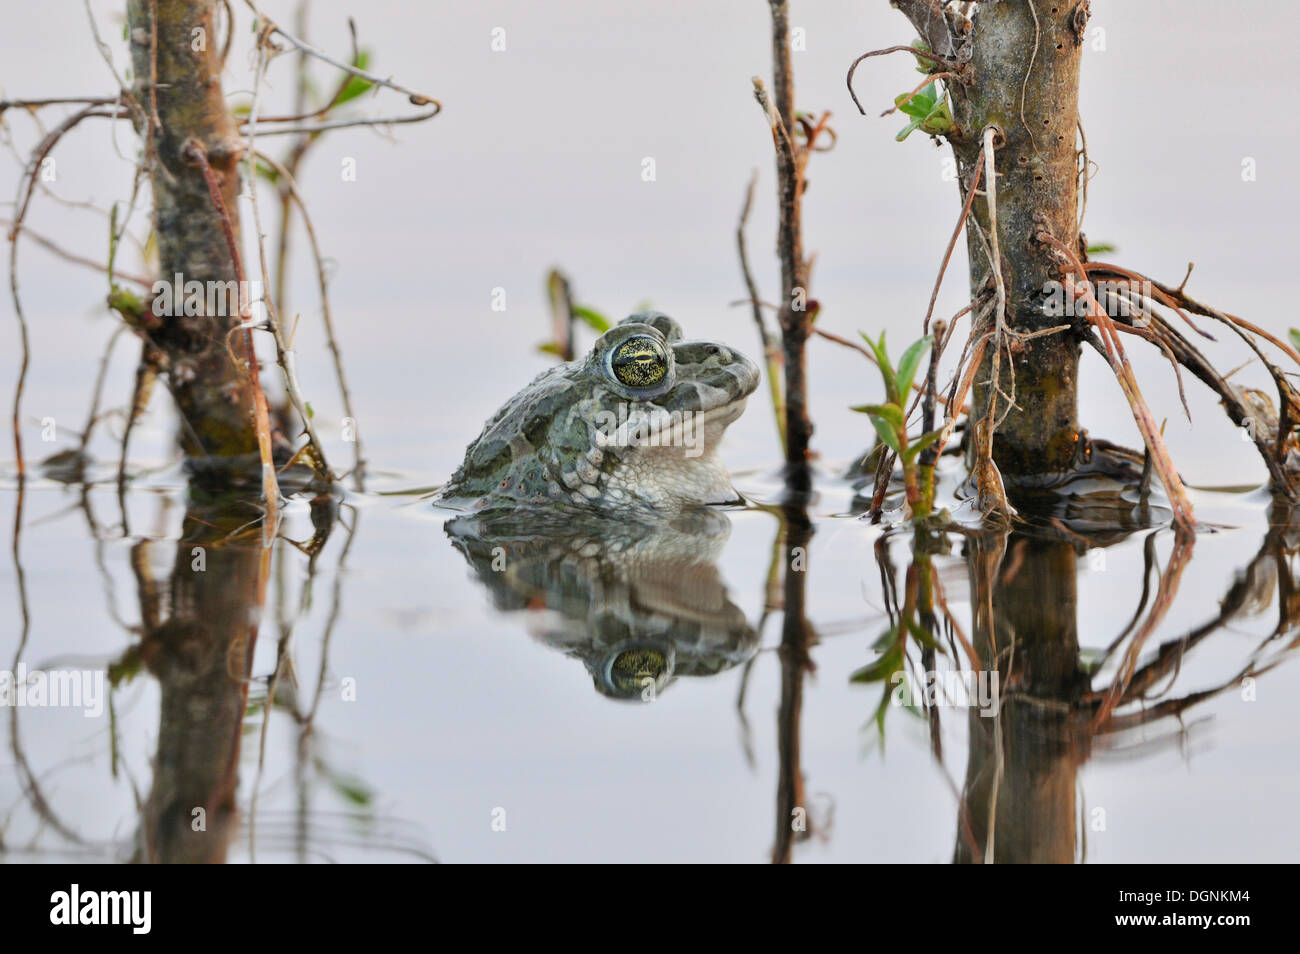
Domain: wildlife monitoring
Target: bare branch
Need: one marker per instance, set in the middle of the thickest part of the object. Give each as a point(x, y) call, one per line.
point(270, 26)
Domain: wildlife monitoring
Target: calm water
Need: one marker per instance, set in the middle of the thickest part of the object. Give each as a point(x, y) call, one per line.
point(409, 717)
point(424, 702)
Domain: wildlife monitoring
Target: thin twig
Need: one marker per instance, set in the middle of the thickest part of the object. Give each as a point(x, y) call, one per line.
point(52, 246)
point(31, 105)
point(924, 54)
point(327, 318)
point(26, 186)
point(270, 26)
point(284, 355)
point(313, 128)
point(771, 351)
point(865, 352)
point(952, 243)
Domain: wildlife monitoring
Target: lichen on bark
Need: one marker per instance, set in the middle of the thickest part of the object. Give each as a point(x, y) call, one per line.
point(1020, 76)
point(177, 84)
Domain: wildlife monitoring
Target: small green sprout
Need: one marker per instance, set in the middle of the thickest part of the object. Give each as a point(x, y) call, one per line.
point(928, 109)
point(890, 421)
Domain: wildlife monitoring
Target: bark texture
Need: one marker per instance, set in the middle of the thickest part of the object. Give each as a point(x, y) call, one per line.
point(1024, 80)
point(201, 655)
point(1018, 801)
point(177, 70)
point(793, 318)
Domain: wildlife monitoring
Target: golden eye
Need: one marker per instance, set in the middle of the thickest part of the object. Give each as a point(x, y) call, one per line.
point(632, 667)
point(639, 362)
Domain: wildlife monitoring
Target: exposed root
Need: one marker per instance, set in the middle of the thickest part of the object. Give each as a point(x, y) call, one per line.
point(1076, 284)
point(992, 493)
point(1270, 429)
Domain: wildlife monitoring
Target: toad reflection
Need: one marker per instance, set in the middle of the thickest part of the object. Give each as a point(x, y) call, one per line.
point(638, 603)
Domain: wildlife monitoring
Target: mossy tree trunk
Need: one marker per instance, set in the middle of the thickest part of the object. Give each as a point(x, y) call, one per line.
point(793, 315)
point(177, 82)
point(201, 655)
point(1018, 800)
point(1025, 63)
point(1022, 79)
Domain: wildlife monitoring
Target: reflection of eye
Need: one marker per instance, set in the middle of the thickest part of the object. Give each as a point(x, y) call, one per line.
point(632, 667)
point(639, 362)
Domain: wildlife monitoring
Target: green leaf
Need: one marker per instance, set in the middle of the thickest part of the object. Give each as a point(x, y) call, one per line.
point(932, 116)
point(1294, 334)
point(352, 789)
point(266, 172)
point(888, 421)
point(907, 130)
point(1102, 248)
point(882, 668)
point(918, 445)
point(885, 640)
point(593, 318)
point(938, 122)
point(923, 65)
point(125, 669)
point(919, 104)
point(549, 347)
point(356, 85)
point(923, 637)
point(908, 364)
point(112, 240)
point(885, 365)
point(126, 303)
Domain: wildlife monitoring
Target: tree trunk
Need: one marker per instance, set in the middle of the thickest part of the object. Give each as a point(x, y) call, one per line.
point(202, 657)
point(793, 313)
point(1018, 801)
point(179, 91)
point(1024, 63)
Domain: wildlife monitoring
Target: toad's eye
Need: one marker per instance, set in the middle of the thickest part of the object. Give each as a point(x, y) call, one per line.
point(632, 667)
point(639, 362)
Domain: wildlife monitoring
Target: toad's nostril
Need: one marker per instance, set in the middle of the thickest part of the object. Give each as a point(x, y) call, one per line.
point(714, 350)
